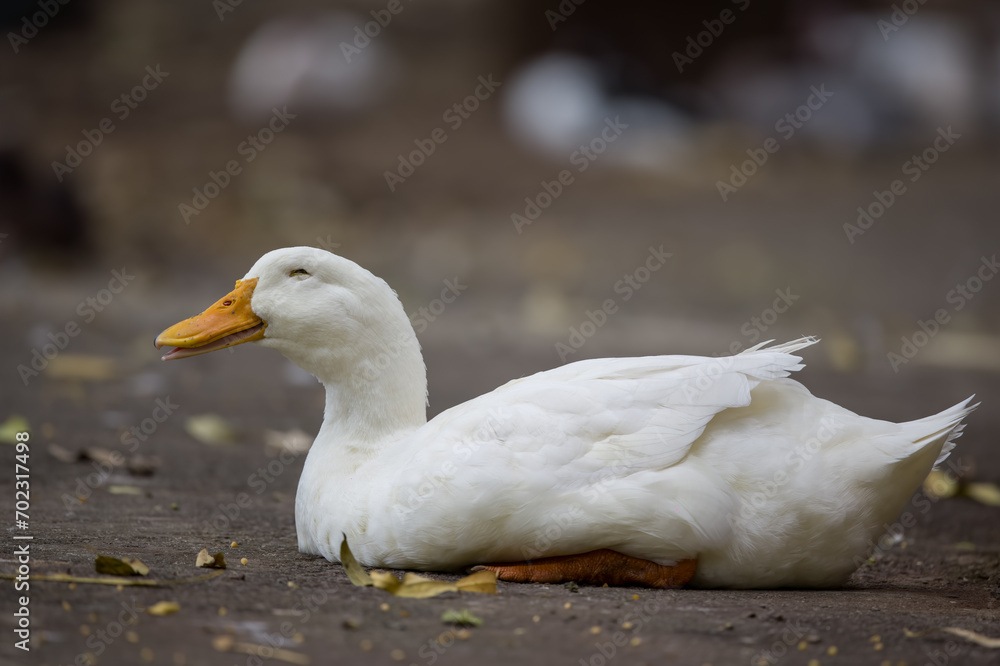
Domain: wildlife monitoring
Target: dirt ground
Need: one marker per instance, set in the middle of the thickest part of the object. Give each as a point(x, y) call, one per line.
point(944, 572)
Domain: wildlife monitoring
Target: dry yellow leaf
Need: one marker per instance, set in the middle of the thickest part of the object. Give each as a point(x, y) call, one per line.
point(163, 608)
point(124, 566)
point(940, 484)
point(210, 429)
point(414, 586)
point(118, 581)
point(977, 638)
point(217, 561)
point(984, 493)
point(81, 366)
point(9, 428)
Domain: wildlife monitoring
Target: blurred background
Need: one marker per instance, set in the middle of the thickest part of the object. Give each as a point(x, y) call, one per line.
point(532, 153)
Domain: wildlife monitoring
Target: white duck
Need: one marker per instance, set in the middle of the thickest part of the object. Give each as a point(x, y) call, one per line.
point(658, 470)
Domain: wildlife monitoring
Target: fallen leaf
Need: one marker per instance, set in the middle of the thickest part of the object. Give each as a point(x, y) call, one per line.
point(977, 638)
point(462, 617)
point(81, 366)
point(115, 566)
point(135, 582)
point(163, 608)
point(137, 566)
point(384, 580)
point(9, 428)
point(984, 493)
point(126, 490)
point(483, 582)
point(217, 561)
point(940, 484)
point(63, 454)
point(210, 429)
point(414, 586)
point(351, 566)
point(143, 465)
point(103, 456)
point(227, 643)
point(295, 442)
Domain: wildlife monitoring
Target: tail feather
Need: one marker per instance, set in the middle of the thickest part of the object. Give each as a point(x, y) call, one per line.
point(947, 424)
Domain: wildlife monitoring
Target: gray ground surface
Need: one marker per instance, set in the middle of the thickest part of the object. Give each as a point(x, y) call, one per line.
point(946, 575)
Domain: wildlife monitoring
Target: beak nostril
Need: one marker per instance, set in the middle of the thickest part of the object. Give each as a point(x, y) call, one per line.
point(227, 303)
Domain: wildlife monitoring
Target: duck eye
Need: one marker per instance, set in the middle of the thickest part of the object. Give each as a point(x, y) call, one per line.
point(298, 271)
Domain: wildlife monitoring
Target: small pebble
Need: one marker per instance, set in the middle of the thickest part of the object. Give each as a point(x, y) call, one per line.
point(84, 630)
point(92, 617)
point(243, 561)
point(404, 613)
point(520, 631)
point(132, 637)
point(222, 610)
point(832, 650)
point(567, 605)
point(66, 606)
point(299, 637)
point(384, 607)
point(803, 645)
point(627, 625)
point(233, 545)
point(536, 618)
point(72, 586)
point(813, 662)
point(635, 641)
point(463, 634)
point(595, 630)
point(875, 639)
point(397, 655)
point(878, 646)
point(146, 654)
point(292, 584)
point(635, 597)
point(366, 645)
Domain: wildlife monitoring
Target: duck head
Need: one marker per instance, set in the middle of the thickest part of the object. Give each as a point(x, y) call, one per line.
point(326, 314)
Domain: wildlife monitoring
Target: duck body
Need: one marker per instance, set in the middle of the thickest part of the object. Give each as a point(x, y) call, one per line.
point(722, 460)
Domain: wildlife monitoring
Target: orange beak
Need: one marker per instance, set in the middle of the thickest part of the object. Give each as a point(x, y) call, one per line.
point(228, 322)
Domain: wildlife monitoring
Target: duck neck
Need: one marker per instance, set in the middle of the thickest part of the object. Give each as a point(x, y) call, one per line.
point(374, 394)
